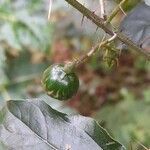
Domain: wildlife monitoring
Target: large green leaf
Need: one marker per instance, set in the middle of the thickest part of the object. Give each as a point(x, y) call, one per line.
point(35, 125)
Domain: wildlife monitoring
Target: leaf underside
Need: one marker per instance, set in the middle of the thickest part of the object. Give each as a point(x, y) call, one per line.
point(35, 125)
point(136, 25)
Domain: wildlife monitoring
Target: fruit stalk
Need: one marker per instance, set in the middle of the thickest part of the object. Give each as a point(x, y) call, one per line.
point(93, 51)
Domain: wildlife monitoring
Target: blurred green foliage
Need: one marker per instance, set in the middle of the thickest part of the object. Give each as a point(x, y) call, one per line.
point(24, 29)
point(128, 121)
point(20, 27)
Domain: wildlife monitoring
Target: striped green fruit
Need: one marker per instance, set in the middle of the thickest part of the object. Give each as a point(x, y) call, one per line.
point(58, 83)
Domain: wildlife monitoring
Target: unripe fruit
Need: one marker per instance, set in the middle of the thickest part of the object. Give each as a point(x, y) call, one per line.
point(60, 83)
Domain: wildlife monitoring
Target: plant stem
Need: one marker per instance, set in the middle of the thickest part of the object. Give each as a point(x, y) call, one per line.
point(114, 12)
point(69, 67)
point(108, 29)
point(93, 51)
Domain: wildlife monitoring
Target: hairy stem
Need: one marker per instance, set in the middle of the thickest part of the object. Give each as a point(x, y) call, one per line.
point(93, 50)
point(114, 12)
point(107, 28)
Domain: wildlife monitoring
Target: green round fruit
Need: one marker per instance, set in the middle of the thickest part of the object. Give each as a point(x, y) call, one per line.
point(59, 83)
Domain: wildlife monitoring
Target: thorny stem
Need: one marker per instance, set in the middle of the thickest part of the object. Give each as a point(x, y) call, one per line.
point(93, 51)
point(74, 64)
point(123, 11)
point(108, 29)
point(114, 12)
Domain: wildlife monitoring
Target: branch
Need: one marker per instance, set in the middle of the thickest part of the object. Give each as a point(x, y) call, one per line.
point(115, 12)
point(93, 50)
point(74, 64)
point(108, 29)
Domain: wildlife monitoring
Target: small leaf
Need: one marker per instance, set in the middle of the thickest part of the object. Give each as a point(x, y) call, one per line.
point(35, 125)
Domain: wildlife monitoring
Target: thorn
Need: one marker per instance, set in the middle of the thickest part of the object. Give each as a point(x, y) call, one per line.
point(122, 10)
point(82, 20)
point(95, 31)
point(102, 8)
point(94, 11)
point(50, 7)
point(105, 17)
point(97, 28)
